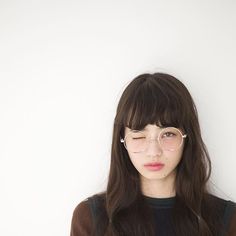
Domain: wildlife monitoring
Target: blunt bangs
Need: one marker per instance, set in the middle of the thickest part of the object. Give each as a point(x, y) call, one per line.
point(152, 103)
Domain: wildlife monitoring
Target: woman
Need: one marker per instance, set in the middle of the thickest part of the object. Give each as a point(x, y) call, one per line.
point(159, 170)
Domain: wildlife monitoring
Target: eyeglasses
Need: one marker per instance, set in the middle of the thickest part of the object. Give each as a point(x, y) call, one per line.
point(169, 139)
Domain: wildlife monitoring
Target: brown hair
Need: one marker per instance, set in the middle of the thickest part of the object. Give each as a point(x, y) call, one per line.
point(163, 100)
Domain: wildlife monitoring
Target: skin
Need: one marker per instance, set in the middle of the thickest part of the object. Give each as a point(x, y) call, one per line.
point(157, 184)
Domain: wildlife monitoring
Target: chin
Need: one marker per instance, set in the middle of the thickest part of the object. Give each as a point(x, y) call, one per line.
point(155, 176)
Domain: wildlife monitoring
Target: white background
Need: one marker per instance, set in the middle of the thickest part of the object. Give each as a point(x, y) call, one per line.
point(63, 67)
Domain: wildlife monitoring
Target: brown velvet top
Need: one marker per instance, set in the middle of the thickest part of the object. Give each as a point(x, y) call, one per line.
point(82, 222)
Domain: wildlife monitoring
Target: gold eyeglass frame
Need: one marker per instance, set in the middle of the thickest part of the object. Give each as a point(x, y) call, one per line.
point(122, 140)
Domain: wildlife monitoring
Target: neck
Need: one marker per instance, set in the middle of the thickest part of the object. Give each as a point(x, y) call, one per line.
point(158, 188)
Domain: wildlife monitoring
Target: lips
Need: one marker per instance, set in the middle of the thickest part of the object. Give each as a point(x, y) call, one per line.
point(154, 166)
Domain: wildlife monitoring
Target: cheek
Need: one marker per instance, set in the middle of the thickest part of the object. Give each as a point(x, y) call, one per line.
point(133, 159)
point(173, 159)
point(136, 159)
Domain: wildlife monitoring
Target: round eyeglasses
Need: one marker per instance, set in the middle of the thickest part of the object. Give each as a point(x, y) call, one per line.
point(169, 139)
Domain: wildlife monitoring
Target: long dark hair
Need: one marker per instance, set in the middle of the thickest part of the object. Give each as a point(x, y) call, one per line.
point(159, 99)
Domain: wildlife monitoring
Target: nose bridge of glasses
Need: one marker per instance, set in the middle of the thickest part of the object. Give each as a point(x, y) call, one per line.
point(150, 140)
point(155, 141)
point(154, 137)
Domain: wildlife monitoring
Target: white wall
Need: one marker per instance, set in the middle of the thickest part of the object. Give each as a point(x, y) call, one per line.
point(63, 66)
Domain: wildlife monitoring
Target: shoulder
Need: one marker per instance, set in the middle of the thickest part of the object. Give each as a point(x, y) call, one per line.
point(81, 222)
point(84, 214)
point(228, 210)
point(218, 202)
point(230, 217)
point(82, 208)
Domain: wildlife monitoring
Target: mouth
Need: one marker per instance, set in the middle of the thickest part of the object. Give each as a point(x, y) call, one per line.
point(154, 166)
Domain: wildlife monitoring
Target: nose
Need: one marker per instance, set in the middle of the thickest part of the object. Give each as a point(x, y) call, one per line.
point(153, 148)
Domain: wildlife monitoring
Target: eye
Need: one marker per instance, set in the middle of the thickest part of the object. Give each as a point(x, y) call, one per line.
point(168, 134)
point(136, 135)
point(138, 138)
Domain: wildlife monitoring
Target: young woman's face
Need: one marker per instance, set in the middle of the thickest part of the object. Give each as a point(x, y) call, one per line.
point(155, 154)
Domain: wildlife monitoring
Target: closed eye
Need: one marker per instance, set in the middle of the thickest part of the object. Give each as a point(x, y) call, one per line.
point(138, 137)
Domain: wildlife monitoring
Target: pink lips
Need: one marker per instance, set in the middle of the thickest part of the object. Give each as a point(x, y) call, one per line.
point(154, 166)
